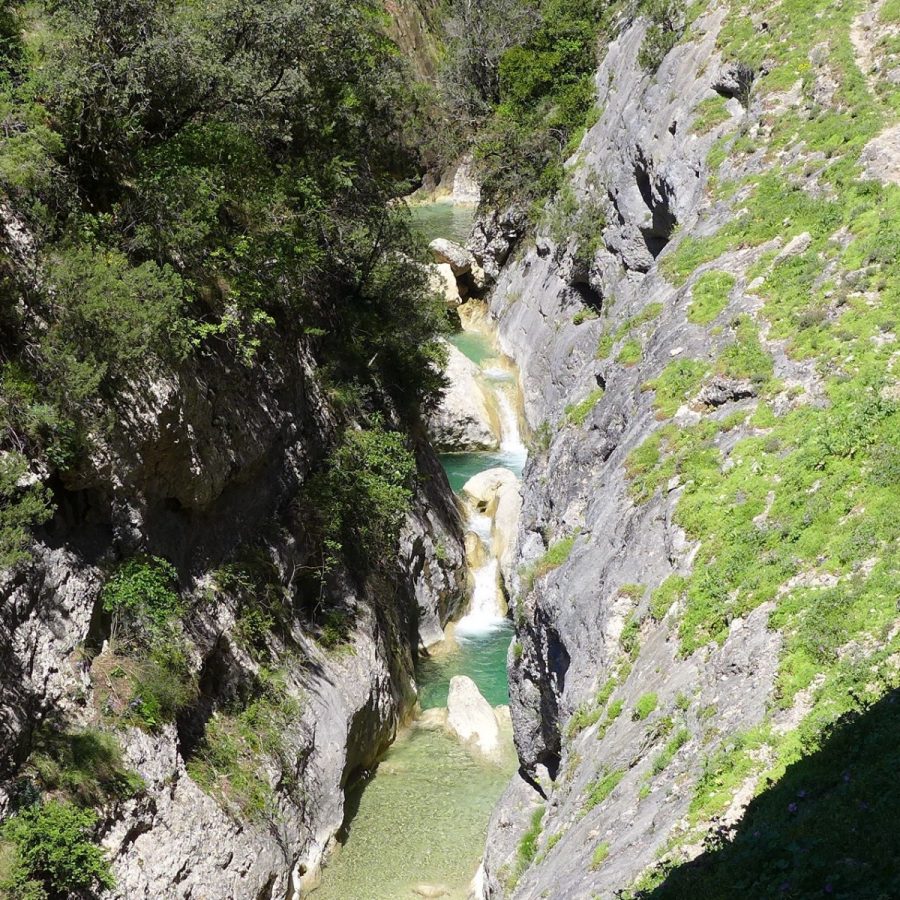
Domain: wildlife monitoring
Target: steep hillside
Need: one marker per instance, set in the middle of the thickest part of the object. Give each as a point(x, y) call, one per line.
point(223, 534)
point(706, 591)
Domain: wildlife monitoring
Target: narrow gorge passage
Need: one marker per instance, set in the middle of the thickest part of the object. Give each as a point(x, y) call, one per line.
point(417, 826)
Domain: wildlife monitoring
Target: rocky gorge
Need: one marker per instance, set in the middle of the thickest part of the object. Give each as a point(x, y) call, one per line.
point(654, 655)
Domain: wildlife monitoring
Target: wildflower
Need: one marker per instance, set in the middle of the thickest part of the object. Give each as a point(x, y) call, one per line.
point(792, 807)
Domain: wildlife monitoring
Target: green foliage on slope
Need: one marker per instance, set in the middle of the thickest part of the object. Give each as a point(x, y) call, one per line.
point(198, 182)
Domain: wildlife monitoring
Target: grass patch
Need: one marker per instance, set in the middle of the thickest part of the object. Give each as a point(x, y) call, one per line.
point(630, 353)
point(600, 854)
point(709, 296)
point(556, 554)
point(645, 705)
point(674, 744)
point(601, 787)
point(678, 382)
point(709, 114)
point(576, 413)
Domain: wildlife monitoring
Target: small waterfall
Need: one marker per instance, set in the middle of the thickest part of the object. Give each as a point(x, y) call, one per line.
point(485, 613)
point(510, 437)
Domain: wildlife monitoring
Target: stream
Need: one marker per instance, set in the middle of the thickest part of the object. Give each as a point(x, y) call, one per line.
point(417, 827)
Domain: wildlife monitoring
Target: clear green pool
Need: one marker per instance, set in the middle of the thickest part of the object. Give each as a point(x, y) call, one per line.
point(442, 220)
point(481, 657)
point(422, 819)
point(460, 467)
point(476, 346)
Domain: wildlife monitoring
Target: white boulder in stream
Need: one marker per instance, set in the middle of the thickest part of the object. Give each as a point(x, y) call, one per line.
point(471, 718)
point(465, 420)
point(482, 490)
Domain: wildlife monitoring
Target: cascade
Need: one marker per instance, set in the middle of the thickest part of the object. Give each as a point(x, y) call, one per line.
point(386, 853)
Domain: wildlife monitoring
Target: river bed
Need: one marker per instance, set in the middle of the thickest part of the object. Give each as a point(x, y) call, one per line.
point(421, 820)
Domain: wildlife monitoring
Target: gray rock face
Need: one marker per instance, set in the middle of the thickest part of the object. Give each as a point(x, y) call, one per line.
point(465, 419)
point(646, 168)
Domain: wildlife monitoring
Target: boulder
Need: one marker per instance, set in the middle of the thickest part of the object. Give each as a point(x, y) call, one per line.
point(471, 718)
point(482, 490)
point(506, 526)
point(448, 253)
point(443, 282)
point(464, 420)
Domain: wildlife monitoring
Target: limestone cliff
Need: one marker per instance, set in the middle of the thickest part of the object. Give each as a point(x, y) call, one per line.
point(207, 471)
point(684, 346)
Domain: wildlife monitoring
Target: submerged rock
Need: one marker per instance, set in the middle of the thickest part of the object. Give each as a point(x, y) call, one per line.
point(464, 421)
point(470, 717)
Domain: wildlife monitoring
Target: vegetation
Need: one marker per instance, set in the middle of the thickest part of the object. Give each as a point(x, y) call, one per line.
point(47, 851)
point(601, 787)
point(520, 75)
point(361, 498)
point(229, 762)
point(577, 413)
point(645, 705)
point(556, 554)
point(600, 854)
point(667, 23)
point(678, 382)
point(710, 113)
point(194, 183)
point(83, 765)
point(527, 848)
point(709, 296)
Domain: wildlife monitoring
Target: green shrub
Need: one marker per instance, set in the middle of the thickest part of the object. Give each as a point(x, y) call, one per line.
point(666, 27)
point(709, 296)
point(576, 413)
point(645, 705)
point(141, 594)
point(363, 495)
point(54, 848)
point(600, 854)
point(23, 506)
point(601, 787)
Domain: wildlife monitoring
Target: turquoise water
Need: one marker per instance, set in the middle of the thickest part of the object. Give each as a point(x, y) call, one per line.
point(460, 467)
point(481, 657)
point(421, 820)
point(442, 220)
point(473, 344)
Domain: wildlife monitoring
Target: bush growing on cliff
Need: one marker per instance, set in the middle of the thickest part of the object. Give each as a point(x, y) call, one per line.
point(52, 853)
point(363, 495)
point(666, 27)
point(22, 507)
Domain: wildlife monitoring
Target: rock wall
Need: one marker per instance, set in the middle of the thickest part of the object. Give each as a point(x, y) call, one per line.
point(209, 461)
point(583, 630)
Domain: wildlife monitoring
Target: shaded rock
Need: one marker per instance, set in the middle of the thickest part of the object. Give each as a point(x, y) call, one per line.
point(443, 281)
point(721, 390)
point(464, 420)
point(470, 717)
point(448, 253)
